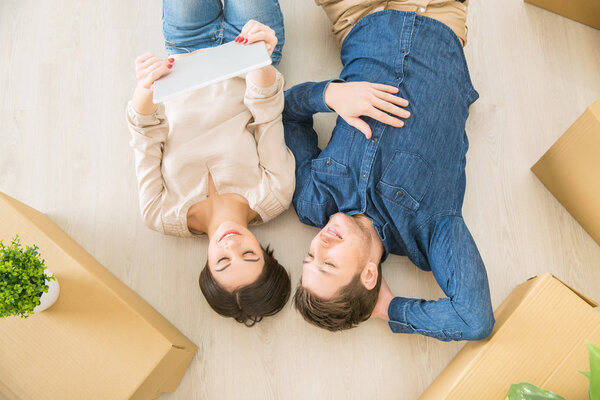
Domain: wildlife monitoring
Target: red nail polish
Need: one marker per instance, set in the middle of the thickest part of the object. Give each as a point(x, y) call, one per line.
point(245, 41)
point(171, 60)
point(170, 66)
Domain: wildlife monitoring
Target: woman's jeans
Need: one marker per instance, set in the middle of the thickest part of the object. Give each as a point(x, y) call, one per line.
point(189, 25)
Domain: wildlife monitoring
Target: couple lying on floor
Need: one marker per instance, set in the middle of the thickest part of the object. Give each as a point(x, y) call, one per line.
point(390, 181)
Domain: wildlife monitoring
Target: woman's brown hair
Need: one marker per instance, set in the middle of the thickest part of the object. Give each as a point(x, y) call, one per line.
point(249, 304)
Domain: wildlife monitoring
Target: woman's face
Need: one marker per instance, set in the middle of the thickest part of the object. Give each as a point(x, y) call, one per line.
point(235, 258)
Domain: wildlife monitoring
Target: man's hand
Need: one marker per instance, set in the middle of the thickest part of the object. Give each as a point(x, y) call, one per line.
point(354, 99)
point(383, 302)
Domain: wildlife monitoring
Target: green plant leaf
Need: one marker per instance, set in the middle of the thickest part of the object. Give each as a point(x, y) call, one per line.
point(527, 391)
point(594, 373)
point(22, 283)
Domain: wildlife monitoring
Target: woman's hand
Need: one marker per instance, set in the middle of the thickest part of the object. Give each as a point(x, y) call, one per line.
point(148, 69)
point(254, 32)
point(353, 99)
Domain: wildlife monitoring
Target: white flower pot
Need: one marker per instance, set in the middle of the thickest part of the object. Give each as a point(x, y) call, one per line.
point(51, 296)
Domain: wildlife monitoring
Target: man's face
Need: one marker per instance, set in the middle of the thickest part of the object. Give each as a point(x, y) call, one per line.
point(336, 254)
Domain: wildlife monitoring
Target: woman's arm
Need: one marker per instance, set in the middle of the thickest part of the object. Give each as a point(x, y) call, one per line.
point(264, 99)
point(149, 129)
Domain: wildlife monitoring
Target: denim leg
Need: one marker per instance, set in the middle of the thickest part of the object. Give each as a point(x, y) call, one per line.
point(466, 314)
point(238, 12)
point(190, 25)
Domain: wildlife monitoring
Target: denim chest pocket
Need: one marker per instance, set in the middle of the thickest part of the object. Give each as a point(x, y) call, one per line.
point(335, 157)
point(405, 180)
point(328, 166)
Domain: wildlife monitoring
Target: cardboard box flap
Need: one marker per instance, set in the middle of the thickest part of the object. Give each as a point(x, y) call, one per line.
point(168, 372)
point(583, 297)
point(569, 170)
point(585, 11)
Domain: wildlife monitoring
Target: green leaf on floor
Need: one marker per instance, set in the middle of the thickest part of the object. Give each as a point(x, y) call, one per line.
point(594, 373)
point(527, 391)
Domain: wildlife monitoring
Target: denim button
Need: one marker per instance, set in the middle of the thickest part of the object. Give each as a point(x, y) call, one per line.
point(374, 140)
point(399, 193)
point(403, 51)
point(364, 175)
point(328, 162)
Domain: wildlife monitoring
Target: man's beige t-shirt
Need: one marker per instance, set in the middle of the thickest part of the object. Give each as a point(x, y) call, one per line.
point(232, 130)
point(344, 14)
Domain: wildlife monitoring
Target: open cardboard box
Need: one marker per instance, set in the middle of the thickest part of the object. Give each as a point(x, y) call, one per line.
point(100, 340)
point(570, 169)
point(539, 337)
point(584, 11)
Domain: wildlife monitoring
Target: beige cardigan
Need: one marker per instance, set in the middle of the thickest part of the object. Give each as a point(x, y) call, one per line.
point(233, 130)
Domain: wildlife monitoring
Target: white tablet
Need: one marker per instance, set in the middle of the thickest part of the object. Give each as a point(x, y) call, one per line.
point(209, 66)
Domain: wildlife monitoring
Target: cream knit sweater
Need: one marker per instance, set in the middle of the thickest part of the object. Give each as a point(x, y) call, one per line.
point(232, 130)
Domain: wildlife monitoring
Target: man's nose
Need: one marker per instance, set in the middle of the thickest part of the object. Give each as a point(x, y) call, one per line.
point(324, 240)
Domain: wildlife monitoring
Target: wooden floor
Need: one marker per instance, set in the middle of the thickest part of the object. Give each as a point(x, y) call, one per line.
point(66, 73)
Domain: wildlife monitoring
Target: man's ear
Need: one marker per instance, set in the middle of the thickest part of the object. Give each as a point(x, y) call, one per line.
point(369, 275)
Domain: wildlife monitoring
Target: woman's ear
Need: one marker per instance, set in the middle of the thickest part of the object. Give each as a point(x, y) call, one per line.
point(369, 275)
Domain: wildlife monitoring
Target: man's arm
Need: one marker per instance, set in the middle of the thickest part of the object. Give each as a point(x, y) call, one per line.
point(301, 103)
point(466, 314)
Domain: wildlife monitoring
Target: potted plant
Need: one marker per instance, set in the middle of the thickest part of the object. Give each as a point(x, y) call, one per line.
point(527, 391)
point(26, 285)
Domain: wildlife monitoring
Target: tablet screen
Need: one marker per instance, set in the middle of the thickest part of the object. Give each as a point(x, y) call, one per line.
point(209, 66)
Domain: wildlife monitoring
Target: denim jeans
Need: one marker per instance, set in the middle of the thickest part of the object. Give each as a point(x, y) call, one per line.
point(189, 25)
point(409, 181)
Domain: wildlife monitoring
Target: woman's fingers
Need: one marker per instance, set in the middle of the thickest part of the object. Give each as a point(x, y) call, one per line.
point(257, 37)
point(143, 57)
point(254, 32)
point(155, 75)
point(148, 62)
point(155, 65)
point(249, 25)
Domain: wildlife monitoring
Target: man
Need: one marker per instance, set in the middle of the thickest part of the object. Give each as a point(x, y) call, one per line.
point(383, 185)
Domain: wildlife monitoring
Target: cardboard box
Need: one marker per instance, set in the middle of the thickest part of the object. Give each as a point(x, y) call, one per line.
point(539, 337)
point(570, 169)
point(584, 11)
point(100, 340)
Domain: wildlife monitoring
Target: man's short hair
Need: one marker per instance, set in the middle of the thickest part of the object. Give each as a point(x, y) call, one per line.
point(249, 304)
point(350, 306)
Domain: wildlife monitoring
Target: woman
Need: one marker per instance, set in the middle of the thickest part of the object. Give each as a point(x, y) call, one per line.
point(214, 160)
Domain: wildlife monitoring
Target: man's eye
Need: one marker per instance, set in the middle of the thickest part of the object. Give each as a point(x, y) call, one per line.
point(310, 255)
point(248, 252)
